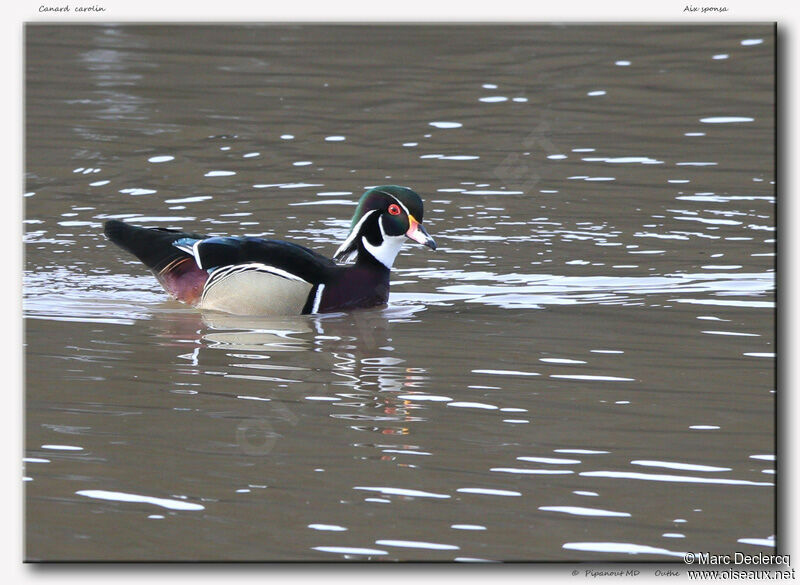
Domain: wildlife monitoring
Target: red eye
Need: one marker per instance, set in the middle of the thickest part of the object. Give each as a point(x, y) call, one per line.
point(394, 209)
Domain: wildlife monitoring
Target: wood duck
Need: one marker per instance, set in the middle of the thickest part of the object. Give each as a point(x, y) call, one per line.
point(252, 276)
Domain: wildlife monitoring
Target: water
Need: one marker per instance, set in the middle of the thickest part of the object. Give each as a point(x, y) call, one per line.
point(584, 370)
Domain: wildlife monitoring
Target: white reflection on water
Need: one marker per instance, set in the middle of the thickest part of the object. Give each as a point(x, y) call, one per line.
point(620, 547)
point(137, 191)
point(732, 333)
point(672, 478)
point(450, 156)
point(714, 198)
point(488, 492)
point(424, 398)
point(579, 511)
point(491, 192)
point(349, 550)
point(519, 291)
point(125, 497)
point(726, 119)
point(551, 460)
point(167, 218)
point(758, 541)
point(645, 160)
point(286, 185)
point(472, 405)
point(66, 294)
point(522, 471)
point(193, 199)
point(417, 544)
point(325, 202)
point(588, 377)
point(726, 303)
point(390, 491)
point(681, 466)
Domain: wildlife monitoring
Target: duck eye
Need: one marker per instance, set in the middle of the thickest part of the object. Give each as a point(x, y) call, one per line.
point(394, 209)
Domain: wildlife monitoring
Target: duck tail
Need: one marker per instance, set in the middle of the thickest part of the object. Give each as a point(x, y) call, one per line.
point(153, 246)
point(174, 268)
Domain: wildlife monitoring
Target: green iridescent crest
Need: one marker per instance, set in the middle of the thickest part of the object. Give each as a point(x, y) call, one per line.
point(376, 198)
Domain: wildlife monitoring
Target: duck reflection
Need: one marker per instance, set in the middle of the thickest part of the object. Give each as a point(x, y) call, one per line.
point(259, 334)
point(348, 360)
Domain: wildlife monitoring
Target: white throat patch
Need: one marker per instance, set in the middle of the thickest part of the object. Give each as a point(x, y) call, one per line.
point(387, 251)
point(389, 248)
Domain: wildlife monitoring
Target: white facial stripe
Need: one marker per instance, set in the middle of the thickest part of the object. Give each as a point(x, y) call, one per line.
point(354, 233)
point(400, 203)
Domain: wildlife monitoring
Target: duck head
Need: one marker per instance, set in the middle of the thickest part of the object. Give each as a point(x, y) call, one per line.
point(384, 218)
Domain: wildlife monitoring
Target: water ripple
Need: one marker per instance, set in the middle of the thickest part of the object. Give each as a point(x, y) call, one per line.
point(673, 478)
point(579, 511)
point(125, 497)
point(621, 547)
point(349, 550)
point(401, 492)
point(417, 544)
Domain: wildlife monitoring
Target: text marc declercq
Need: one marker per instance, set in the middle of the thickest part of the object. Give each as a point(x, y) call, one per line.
point(740, 559)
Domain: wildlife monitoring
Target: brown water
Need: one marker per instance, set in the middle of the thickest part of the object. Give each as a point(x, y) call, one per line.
point(584, 370)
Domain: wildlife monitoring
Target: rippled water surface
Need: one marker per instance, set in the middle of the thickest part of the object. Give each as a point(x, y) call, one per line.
point(584, 370)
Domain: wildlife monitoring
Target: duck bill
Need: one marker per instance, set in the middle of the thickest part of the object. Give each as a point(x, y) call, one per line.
point(417, 233)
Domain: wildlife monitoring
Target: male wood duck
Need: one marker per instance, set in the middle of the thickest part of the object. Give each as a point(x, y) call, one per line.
point(252, 276)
